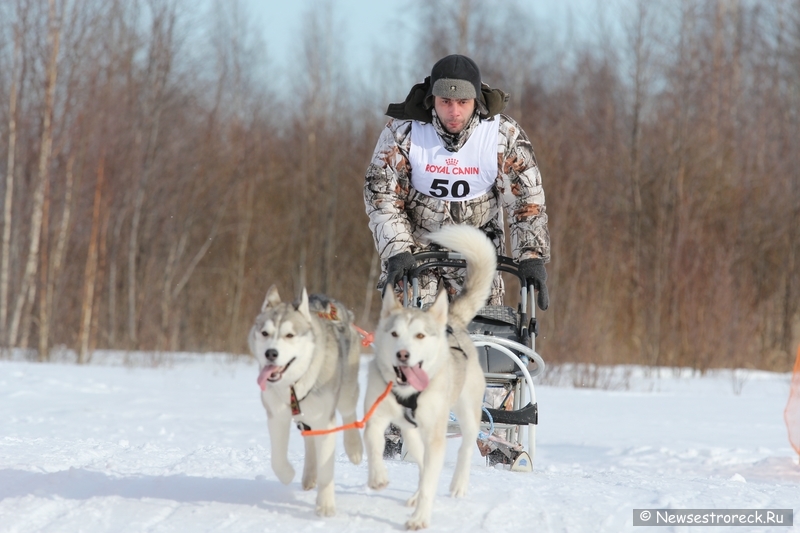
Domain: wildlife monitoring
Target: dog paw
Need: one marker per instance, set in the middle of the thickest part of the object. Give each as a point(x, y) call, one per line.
point(326, 510)
point(378, 485)
point(378, 480)
point(325, 501)
point(412, 501)
point(353, 447)
point(356, 457)
point(417, 522)
point(458, 492)
point(458, 487)
point(285, 473)
point(309, 479)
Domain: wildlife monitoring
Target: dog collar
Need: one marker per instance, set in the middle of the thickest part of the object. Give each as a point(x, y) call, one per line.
point(294, 403)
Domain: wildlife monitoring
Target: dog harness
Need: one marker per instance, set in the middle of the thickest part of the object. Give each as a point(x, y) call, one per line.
point(458, 345)
point(294, 403)
point(333, 315)
point(409, 403)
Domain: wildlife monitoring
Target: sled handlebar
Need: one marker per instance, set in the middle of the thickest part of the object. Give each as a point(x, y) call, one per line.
point(443, 258)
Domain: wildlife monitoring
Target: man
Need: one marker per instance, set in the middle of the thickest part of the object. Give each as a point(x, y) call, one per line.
point(448, 156)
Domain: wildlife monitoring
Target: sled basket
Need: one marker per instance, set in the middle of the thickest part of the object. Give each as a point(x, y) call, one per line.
point(496, 321)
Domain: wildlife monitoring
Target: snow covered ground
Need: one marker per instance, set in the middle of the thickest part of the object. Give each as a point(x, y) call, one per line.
point(182, 446)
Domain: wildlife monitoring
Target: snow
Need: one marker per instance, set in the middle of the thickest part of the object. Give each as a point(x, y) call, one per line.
point(179, 443)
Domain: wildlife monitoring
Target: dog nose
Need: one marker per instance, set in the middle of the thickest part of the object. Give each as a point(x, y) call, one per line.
point(271, 354)
point(403, 355)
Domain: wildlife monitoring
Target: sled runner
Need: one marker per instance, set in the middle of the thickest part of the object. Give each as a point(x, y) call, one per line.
point(506, 342)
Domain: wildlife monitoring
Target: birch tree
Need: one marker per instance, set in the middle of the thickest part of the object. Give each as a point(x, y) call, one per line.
point(27, 287)
point(9, 183)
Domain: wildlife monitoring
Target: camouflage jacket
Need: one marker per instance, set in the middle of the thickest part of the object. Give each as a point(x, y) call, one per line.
point(399, 215)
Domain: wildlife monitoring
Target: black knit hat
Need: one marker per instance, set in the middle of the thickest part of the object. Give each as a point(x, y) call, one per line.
point(454, 76)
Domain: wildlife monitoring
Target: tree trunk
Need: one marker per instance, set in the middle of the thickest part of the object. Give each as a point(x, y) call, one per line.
point(639, 51)
point(102, 251)
point(112, 281)
point(160, 62)
point(27, 314)
point(90, 272)
point(234, 340)
point(28, 279)
point(63, 235)
point(9, 197)
point(44, 270)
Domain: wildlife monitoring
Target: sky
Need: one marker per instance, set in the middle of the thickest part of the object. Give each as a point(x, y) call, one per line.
point(370, 25)
point(174, 443)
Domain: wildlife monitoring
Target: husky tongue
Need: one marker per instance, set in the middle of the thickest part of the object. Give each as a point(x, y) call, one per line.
point(416, 377)
point(265, 374)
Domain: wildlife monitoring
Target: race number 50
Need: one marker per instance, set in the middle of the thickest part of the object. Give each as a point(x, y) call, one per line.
point(441, 188)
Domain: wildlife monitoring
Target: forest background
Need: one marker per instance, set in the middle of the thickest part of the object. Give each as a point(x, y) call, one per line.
point(154, 183)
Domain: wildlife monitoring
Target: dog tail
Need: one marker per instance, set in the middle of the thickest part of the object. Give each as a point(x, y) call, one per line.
point(481, 257)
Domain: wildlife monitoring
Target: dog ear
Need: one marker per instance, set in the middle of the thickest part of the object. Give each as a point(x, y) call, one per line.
point(440, 307)
point(390, 303)
point(302, 308)
point(272, 299)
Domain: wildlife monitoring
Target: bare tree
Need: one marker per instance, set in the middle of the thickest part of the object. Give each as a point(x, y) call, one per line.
point(28, 283)
point(90, 272)
point(9, 183)
point(160, 57)
point(320, 91)
point(667, 152)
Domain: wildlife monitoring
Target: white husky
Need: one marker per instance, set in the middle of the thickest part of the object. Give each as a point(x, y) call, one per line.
point(434, 366)
point(308, 355)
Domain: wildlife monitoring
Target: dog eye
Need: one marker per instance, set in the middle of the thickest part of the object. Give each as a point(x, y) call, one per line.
point(264, 334)
point(290, 335)
point(420, 335)
point(394, 334)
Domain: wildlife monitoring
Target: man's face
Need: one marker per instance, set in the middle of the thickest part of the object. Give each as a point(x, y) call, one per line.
point(454, 114)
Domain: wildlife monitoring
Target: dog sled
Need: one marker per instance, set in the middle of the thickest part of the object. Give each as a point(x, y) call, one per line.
point(506, 341)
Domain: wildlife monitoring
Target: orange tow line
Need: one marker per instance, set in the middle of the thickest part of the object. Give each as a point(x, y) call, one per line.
point(368, 337)
point(358, 424)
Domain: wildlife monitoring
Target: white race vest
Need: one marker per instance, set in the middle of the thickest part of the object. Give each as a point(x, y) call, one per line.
point(461, 175)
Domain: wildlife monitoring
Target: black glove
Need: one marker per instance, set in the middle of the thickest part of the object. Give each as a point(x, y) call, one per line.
point(396, 267)
point(534, 272)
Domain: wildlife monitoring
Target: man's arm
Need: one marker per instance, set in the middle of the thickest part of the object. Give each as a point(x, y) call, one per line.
point(386, 189)
point(522, 194)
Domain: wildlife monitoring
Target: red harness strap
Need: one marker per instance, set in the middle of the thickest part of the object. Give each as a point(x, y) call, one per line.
point(334, 315)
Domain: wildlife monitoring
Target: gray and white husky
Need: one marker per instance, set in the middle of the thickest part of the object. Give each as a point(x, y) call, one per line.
point(308, 355)
point(434, 366)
